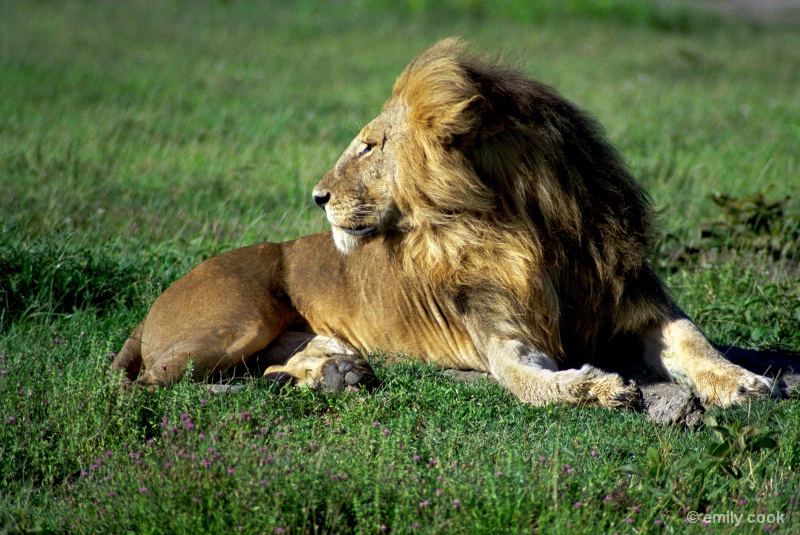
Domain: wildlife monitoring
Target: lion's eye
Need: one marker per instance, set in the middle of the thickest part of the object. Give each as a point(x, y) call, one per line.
point(366, 149)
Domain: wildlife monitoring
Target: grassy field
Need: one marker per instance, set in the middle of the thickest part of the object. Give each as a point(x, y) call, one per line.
point(137, 138)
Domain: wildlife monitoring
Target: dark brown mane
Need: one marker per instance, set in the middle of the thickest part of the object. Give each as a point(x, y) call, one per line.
point(514, 198)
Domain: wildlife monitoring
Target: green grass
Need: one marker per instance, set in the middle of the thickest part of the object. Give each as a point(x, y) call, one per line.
point(137, 138)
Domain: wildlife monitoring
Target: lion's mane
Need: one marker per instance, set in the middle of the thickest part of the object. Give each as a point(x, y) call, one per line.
point(515, 203)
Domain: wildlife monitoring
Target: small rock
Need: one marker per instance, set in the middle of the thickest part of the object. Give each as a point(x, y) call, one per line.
point(671, 404)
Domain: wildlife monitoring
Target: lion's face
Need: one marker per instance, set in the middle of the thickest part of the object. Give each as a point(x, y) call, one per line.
point(358, 193)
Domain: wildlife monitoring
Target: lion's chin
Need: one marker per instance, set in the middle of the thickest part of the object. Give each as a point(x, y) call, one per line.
point(347, 242)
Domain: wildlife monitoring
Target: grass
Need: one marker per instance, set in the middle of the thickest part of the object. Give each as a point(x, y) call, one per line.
point(138, 138)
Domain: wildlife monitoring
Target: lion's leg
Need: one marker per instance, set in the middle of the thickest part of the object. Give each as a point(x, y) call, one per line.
point(318, 362)
point(679, 351)
point(216, 317)
point(213, 349)
point(533, 377)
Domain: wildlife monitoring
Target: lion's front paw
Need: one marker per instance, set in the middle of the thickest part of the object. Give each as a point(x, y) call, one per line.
point(624, 396)
point(346, 373)
point(733, 386)
point(614, 392)
point(608, 390)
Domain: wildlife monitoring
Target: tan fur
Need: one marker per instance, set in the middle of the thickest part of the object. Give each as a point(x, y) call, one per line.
point(479, 222)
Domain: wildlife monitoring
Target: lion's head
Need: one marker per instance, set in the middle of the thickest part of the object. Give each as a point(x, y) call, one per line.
point(498, 191)
point(358, 193)
point(387, 172)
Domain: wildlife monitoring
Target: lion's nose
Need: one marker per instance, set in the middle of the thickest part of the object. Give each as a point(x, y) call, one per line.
point(322, 198)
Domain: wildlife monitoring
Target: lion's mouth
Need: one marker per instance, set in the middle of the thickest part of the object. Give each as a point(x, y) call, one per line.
point(359, 232)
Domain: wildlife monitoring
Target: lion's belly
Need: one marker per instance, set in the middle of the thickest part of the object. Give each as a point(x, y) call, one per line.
point(367, 302)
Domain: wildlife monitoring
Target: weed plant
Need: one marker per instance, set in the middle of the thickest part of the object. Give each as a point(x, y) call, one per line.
point(138, 138)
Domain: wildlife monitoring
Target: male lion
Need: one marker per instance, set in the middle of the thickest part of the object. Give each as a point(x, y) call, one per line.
point(480, 222)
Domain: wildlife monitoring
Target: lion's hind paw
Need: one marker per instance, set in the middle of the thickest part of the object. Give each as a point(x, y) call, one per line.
point(339, 374)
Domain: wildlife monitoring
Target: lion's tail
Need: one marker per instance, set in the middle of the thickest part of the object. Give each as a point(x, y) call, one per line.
point(129, 359)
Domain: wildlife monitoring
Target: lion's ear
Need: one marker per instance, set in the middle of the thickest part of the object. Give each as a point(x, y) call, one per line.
point(470, 116)
point(462, 121)
point(477, 122)
point(472, 109)
point(448, 121)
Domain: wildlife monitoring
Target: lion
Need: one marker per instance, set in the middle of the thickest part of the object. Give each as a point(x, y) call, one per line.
point(480, 222)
